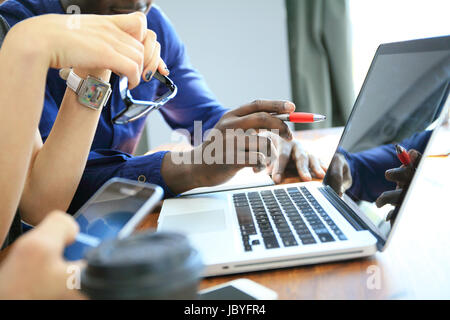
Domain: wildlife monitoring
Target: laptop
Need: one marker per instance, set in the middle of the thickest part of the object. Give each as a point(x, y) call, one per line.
point(404, 99)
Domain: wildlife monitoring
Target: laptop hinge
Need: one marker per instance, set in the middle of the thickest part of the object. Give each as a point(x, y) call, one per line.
point(350, 215)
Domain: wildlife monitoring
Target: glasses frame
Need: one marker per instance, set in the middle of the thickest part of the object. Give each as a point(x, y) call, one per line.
point(149, 106)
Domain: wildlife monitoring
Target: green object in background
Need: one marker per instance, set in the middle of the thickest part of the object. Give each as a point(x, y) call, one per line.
point(320, 51)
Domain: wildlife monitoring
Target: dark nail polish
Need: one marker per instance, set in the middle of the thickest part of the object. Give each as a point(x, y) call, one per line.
point(148, 76)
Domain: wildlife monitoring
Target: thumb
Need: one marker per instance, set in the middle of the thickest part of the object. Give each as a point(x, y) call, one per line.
point(59, 228)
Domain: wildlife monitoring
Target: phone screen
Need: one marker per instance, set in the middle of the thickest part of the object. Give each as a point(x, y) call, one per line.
point(106, 213)
point(226, 293)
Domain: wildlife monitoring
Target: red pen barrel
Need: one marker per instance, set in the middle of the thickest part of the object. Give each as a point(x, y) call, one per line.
point(403, 155)
point(300, 117)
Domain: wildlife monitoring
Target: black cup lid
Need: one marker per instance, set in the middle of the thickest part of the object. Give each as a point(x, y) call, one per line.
point(154, 252)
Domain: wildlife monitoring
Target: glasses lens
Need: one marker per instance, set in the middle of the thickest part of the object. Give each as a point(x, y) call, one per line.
point(136, 109)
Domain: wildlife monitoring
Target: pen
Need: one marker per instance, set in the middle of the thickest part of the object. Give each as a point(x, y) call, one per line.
point(87, 240)
point(403, 155)
point(301, 117)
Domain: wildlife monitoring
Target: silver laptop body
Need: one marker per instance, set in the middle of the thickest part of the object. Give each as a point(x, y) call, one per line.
point(403, 100)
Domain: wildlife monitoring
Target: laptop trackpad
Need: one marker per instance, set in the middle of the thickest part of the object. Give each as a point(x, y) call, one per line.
point(194, 223)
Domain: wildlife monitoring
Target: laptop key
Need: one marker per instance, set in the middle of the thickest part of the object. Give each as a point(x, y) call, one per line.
point(248, 233)
point(271, 244)
point(307, 241)
point(326, 237)
point(289, 242)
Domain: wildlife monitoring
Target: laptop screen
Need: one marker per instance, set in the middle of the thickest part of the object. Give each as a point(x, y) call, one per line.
point(397, 109)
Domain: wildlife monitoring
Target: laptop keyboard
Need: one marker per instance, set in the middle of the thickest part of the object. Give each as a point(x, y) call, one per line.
point(283, 218)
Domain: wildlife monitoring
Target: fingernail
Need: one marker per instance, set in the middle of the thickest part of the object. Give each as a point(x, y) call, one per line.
point(289, 106)
point(289, 135)
point(148, 76)
point(277, 178)
point(167, 69)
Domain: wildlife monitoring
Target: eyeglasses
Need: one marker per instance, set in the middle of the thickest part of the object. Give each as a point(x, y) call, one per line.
point(136, 109)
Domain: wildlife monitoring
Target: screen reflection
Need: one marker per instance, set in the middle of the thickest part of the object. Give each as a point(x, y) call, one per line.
point(400, 103)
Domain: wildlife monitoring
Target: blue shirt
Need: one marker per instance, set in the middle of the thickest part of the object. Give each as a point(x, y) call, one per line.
point(110, 154)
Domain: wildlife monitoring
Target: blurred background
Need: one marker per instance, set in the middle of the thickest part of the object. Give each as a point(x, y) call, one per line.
point(314, 52)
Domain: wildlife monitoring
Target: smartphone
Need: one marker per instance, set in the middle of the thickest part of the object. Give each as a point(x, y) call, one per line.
point(241, 289)
point(114, 211)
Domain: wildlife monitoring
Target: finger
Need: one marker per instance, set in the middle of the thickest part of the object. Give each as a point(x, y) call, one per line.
point(122, 36)
point(123, 66)
point(347, 177)
point(59, 228)
point(284, 155)
point(323, 166)
point(134, 24)
point(277, 107)
point(335, 177)
point(244, 159)
point(389, 197)
point(261, 120)
point(162, 68)
point(269, 168)
point(247, 143)
point(316, 167)
point(129, 50)
point(415, 157)
point(302, 163)
point(258, 169)
point(153, 63)
point(150, 44)
point(401, 175)
point(255, 143)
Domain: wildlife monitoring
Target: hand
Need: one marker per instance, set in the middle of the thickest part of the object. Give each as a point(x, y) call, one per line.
point(402, 177)
point(307, 165)
point(117, 43)
point(35, 269)
point(226, 150)
point(339, 174)
point(153, 60)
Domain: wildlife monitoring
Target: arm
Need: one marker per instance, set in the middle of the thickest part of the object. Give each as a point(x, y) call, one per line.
point(69, 142)
point(29, 50)
point(50, 184)
point(21, 118)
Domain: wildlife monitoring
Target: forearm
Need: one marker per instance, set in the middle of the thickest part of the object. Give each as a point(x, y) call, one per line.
point(21, 97)
point(56, 171)
point(181, 177)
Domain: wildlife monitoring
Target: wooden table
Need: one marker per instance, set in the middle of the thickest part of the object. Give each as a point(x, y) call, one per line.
point(415, 265)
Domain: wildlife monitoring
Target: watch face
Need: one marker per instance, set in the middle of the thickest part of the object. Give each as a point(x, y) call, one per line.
point(94, 93)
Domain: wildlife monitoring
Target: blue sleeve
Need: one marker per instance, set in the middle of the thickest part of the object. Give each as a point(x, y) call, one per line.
point(368, 167)
point(106, 164)
point(194, 101)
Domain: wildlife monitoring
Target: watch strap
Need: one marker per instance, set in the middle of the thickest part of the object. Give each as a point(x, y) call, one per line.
point(74, 81)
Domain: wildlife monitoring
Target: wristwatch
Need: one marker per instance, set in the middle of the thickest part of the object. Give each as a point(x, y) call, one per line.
point(92, 92)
